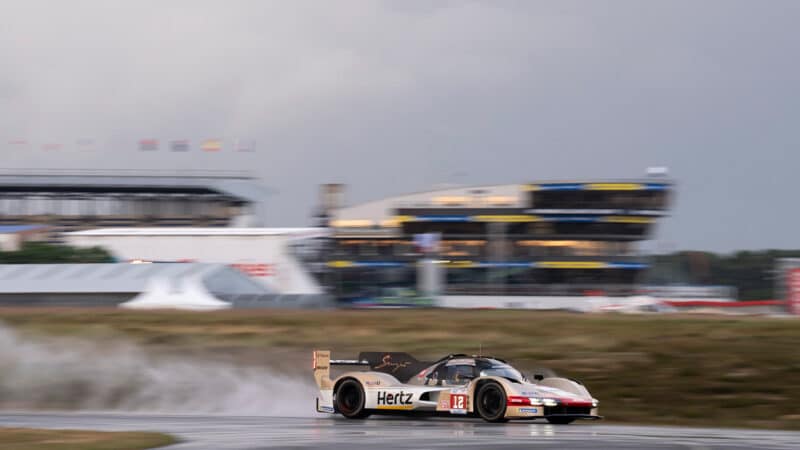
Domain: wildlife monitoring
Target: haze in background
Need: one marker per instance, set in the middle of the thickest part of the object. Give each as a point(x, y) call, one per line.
point(394, 96)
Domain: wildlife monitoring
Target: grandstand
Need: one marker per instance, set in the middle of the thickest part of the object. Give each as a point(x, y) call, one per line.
point(77, 200)
point(537, 239)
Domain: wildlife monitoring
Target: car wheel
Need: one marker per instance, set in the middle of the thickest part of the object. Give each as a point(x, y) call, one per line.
point(560, 420)
point(491, 402)
point(350, 400)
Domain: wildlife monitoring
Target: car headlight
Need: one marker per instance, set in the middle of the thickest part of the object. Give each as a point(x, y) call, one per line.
point(535, 401)
point(550, 402)
point(595, 402)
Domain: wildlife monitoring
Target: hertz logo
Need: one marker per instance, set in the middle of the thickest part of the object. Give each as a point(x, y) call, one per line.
point(398, 399)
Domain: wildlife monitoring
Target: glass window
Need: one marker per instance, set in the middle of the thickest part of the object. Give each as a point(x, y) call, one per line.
point(460, 374)
point(504, 371)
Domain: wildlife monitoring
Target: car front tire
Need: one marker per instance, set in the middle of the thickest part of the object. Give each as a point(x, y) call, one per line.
point(490, 402)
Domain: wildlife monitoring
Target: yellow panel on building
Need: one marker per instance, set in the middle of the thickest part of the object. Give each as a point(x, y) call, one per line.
point(571, 265)
point(614, 186)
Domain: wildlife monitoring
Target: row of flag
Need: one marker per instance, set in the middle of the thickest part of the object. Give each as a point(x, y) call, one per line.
point(208, 145)
point(145, 145)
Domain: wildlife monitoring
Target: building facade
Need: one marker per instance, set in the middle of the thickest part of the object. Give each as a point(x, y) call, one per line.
point(536, 239)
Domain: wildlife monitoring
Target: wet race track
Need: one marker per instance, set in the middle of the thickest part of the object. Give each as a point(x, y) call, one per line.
point(251, 433)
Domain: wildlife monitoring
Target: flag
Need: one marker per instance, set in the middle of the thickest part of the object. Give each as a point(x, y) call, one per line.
point(245, 145)
point(148, 145)
point(85, 145)
point(18, 144)
point(51, 147)
point(179, 145)
point(211, 145)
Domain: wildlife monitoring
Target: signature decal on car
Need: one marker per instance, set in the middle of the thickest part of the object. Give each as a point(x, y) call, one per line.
point(386, 362)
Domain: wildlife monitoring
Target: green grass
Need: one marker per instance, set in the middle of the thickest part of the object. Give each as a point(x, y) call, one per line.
point(36, 439)
point(668, 369)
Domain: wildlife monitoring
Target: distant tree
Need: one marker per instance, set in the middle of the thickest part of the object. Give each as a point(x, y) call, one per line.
point(44, 253)
point(752, 273)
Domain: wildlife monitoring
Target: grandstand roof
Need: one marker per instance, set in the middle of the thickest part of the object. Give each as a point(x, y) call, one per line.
point(234, 185)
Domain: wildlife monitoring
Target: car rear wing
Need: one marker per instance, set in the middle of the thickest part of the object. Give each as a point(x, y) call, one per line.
point(349, 362)
point(322, 367)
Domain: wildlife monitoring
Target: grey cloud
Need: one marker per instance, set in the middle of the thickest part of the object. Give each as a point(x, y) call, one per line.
point(391, 96)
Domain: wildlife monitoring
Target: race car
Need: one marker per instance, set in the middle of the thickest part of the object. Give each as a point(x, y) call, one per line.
point(458, 384)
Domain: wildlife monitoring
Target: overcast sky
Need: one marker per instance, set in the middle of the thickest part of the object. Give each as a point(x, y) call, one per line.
point(394, 96)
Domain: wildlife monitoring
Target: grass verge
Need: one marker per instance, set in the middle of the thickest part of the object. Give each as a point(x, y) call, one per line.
point(37, 439)
point(666, 369)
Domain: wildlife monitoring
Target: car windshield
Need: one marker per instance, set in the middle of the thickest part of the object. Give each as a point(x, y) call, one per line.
point(505, 372)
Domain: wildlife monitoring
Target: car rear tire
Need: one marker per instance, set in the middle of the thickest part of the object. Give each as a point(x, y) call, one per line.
point(350, 400)
point(560, 420)
point(490, 402)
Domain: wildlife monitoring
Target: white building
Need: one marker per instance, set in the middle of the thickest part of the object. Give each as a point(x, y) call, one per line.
point(141, 286)
point(266, 254)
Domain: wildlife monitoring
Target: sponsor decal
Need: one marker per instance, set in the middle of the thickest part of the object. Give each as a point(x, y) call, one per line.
point(256, 269)
point(373, 383)
point(444, 404)
point(327, 409)
point(386, 362)
point(529, 410)
point(394, 398)
point(458, 401)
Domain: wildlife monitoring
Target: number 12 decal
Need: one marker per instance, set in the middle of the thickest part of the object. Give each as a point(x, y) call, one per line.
point(458, 402)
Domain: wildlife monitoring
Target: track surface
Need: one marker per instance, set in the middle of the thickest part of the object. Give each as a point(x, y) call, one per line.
point(252, 433)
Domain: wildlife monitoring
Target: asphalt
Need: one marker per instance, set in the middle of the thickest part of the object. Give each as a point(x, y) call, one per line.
point(203, 432)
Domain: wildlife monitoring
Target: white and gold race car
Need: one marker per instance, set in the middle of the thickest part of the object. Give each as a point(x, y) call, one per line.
point(482, 386)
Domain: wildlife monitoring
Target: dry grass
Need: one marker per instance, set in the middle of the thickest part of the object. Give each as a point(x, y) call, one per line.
point(36, 439)
point(695, 370)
